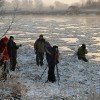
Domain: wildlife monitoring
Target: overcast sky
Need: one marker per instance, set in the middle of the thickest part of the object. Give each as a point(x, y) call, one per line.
point(49, 2)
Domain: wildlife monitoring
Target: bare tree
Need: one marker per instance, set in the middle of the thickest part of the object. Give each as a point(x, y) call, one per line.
point(89, 2)
point(38, 4)
point(83, 2)
point(27, 5)
point(1, 3)
point(11, 21)
point(16, 4)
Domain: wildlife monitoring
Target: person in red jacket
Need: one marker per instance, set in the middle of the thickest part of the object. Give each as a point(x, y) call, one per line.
point(3, 49)
point(4, 55)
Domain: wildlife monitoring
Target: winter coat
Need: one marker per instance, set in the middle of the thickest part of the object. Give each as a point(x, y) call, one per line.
point(12, 48)
point(3, 49)
point(81, 52)
point(50, 56)
point(39, 45)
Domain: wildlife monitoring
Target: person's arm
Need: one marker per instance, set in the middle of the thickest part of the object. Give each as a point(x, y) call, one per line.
point(15, 46)
point(86, 51)
point(35, 46)
point(78, 51)
point(48, 51)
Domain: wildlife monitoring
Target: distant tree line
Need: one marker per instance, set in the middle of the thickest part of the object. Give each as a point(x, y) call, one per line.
point(91, 4)
point(38, 6)
point(1, 3)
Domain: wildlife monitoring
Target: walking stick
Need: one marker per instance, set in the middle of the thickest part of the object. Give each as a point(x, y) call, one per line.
point(43, 72)
point(58, 77)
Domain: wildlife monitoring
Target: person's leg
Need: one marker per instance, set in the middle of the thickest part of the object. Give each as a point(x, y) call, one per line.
point(51, 74)
point(5, 66)
point(37, 58)
point(5, 71)
point(79, 57)
point(84, 59)
point(13, 63)
point(41, 58)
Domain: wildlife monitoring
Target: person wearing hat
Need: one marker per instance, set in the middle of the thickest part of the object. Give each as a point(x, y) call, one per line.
point(39, 47)
point(82, 51)
point(12, 51)
point(4, 57)
point(3, 48)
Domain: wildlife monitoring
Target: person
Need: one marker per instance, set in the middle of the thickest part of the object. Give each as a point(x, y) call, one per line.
point(82, 51)
point(39, 47)
point(52, 60)
point(12, 51)
point(3, 58)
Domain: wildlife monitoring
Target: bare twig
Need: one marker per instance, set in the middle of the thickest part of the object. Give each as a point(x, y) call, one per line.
point(9, 27)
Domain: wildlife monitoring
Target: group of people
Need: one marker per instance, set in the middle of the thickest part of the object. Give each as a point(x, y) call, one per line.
point(52, 55)
point(8, 51)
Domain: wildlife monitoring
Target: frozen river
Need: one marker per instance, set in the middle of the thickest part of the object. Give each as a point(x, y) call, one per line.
point(69, 31)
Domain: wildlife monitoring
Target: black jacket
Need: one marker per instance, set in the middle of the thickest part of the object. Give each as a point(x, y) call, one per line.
point(12, 48)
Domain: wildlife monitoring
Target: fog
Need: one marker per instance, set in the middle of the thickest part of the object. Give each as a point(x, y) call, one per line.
point(34, 6)
point(39, 6)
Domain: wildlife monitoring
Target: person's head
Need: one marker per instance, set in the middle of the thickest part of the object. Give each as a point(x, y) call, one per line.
point(83, 46)
point(5, 40)
point(11, 38)
point(41, 36)
point(55, 47)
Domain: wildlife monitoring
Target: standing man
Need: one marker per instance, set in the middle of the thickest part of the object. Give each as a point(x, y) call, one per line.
point(39, 47)
point(12, 51)
point(81, 53)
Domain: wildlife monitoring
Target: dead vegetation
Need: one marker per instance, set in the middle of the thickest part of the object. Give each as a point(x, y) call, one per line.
point(12, 89)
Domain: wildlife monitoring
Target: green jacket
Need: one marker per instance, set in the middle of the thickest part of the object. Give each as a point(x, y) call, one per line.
point(81, 52)
point(39, 45)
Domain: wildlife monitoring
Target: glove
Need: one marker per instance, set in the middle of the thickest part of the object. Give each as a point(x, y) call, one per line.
point(20, 45)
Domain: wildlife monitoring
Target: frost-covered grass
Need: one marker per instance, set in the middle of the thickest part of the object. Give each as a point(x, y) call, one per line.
point(78, 80)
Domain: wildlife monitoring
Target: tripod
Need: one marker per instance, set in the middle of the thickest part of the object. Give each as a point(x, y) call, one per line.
point(58, 77)
point(43, 73)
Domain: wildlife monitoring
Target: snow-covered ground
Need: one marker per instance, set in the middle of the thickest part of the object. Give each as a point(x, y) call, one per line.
point(78, 80)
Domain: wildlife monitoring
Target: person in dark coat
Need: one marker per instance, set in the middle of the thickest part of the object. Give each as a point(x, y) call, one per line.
point(39, 47)
point(12, 52)
point(81, 53)
point(52, 61)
